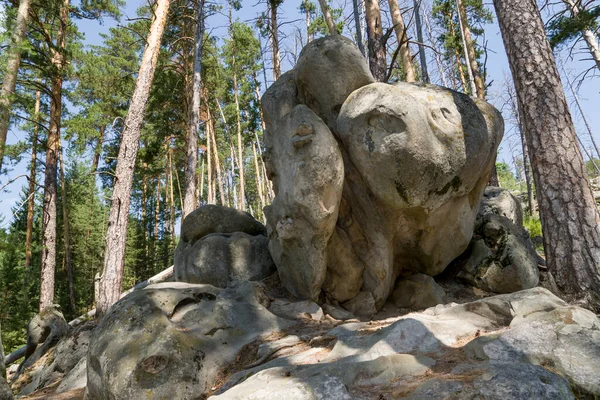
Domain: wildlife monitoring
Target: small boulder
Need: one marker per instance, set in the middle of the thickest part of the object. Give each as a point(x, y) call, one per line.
point(362, 305)
point(502, 258)
point(417, 292)
point(219, 258)
point(499, 201)
point(212, 218)
point(306, 309)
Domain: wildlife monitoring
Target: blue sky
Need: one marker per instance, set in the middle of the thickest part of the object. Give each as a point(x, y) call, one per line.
point(293, 25)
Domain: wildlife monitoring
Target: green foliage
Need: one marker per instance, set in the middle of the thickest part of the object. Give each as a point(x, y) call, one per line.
point(533, 225)
point(591, 169)
point(564, 29)
point(507, 179)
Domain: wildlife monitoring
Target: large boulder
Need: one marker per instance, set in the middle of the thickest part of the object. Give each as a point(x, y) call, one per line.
point(370, 179)
point(171, 340)
point(219, 245)
point(500, 201)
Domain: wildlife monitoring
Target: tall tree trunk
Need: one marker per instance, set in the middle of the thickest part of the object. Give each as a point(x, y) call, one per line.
point(53, 145)
point(527, 171)
point(31, 192)
point(424, 72)
point(588, 35)
point(190, 202)
point(570, 219)
point(470, 51)
point(2, 365)
point(328, 18)
point(438, 59)
point(145, 217)
point(9, 81)
point(116, 237)
point(307, 20)
point(211, 190)
point(402, 35)
point(156, 221)
point(275, 39)
point(217, 163)
point(358, 27)
point(377, 60)
point(67, 233)
point(242, 198)
point(172, 198)
point(258, 173)
point(233, 162)
point(466, 55)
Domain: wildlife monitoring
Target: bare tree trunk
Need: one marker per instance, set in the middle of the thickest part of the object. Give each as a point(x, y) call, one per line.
point(172, 198)
point(424, 72)
point(585, 120)
point(67, 233)
point(98, 150)
point(588, 35)
point(258, 173)
point(527, 171)
point(217, 162)
point(242, 199)
point(31, 192)
point(275, 40)
point(116, 237)
point(145, 217)
point(190, 202)
point(9, 81)
point(358, 27)
point(466, 54)
point(570, 219)
point(53, 145)
point(200, 187)
point(438, 60)
point(377, 60)
point(211, 191)
point(328, 18)
point(233, 162)
point(307, 20)
point(402, 35)
point(470, 52)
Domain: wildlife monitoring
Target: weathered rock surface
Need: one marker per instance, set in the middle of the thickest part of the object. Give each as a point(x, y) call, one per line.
point(219, 245)
point(218, 259)
point(43, 332)
point(5, 392)
point(509, 346)
point(502, 258)
point(58, 363)
point(171, 340)
point(418, 292)
point(500, 201)
point(370, 179)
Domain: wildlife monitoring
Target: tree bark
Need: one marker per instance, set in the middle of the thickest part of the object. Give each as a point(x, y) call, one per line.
point(275, 39)
point(190, 202)
point(217, 163)
point(402, 35)
point(48, 265)
point(570, 219)
point(359, 32)
point(588, 35)
point(328, 18)
point(473, 65)
point(116, 236)
point(377, 60)
point(424, 72)
point(9, 81)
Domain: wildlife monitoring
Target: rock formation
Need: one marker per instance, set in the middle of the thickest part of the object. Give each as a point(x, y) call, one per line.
point(371, 180)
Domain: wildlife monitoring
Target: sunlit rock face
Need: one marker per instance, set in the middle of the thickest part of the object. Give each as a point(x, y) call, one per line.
point(372, 180)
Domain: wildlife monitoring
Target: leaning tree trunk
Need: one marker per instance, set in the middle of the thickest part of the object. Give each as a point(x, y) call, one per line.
point(116, 236)
point(328, 18)
point(425, 73)
point(12, 68)
point(470, 51)
point(588, 35)
point(377, 60)
point(190, 201)
point(402, 35)
point(48, 265)
point(570, 219)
